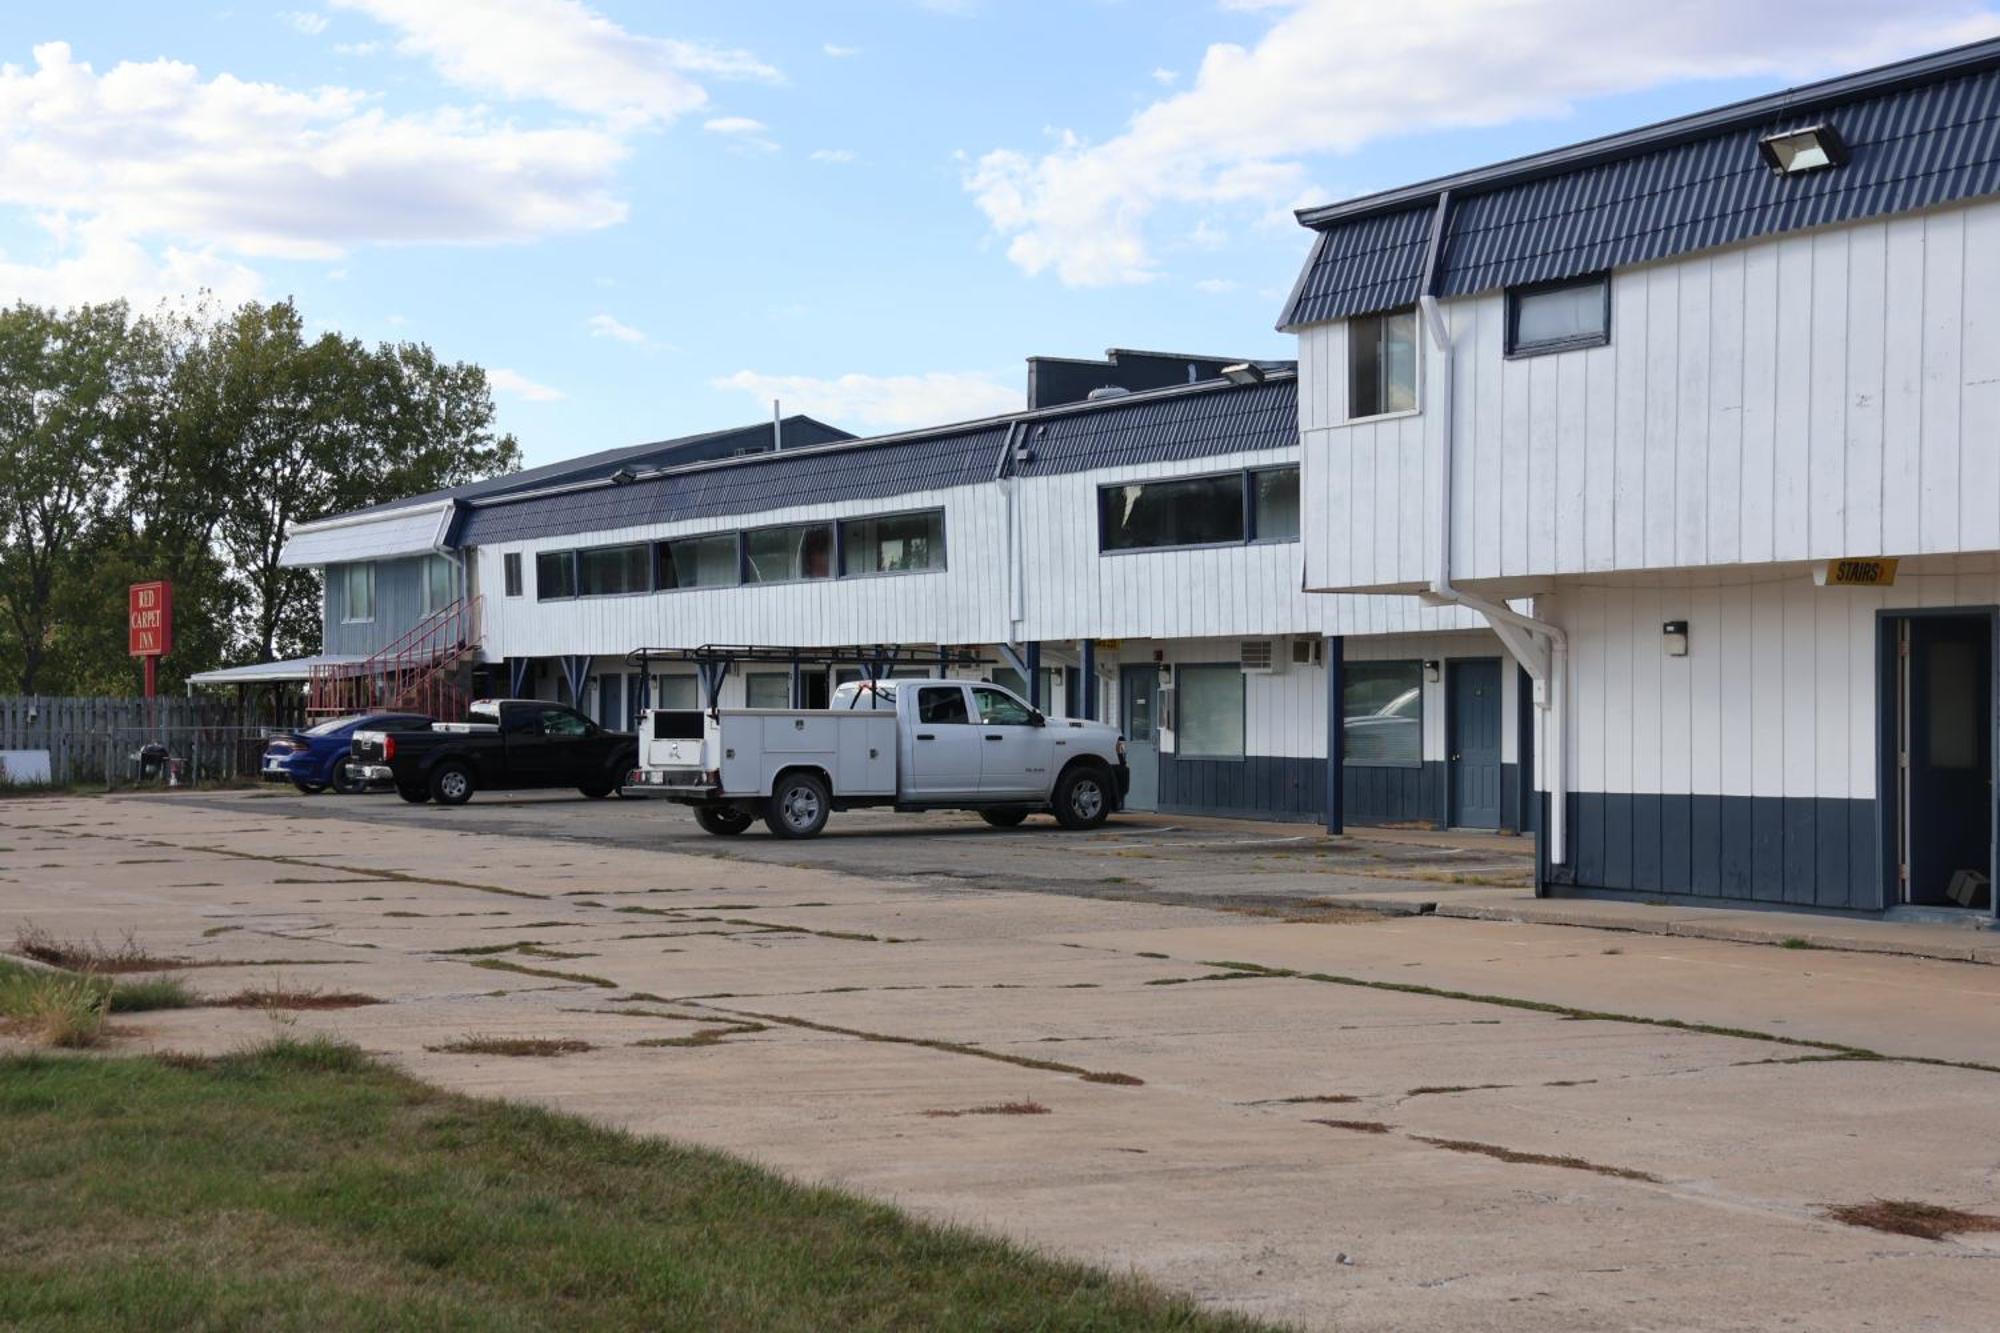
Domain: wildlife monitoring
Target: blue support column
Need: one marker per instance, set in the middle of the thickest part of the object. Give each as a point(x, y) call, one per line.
point(1031, 654)
point(1336, 734)
point(1087, 666)
point(798, 685)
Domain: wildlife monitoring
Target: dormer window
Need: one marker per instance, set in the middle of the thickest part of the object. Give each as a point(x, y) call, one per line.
point(1382, 364)
point(1559, 316)
point(1794, 152)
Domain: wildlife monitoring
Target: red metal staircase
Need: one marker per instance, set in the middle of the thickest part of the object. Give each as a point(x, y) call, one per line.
point(419, 672)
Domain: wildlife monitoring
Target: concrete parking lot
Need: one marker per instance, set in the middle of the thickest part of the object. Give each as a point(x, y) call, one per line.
point(1321, 1117)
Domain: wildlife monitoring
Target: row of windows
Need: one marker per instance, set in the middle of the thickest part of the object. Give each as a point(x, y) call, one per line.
point(1255, 505)
point(1383, 705)
point(1547, 317)
point(911, 543)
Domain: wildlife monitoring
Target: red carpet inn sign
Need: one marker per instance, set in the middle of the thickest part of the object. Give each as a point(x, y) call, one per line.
point(150, 625)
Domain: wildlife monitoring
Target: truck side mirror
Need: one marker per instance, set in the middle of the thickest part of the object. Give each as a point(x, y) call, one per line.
point(1039, 718)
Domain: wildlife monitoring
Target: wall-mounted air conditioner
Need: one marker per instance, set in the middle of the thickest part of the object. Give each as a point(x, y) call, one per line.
point(1308, 652)
point(1262, 657)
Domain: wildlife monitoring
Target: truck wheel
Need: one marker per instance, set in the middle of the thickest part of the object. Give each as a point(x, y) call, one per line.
point(1083, 797)
point(597, 791)
point(309, 788)
point(721, 820)
point(451, 784)
point(414, 795)
point(1004, 818)
point(798, 806)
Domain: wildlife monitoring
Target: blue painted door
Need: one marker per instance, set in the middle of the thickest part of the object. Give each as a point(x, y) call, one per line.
point(1139, 708)
point(1472, 726)
point(1947, 747)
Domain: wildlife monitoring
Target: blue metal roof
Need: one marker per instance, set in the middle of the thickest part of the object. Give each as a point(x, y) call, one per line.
point(799, 431)
point(1918, 135)
point(1225, 419)
point(1193, 421)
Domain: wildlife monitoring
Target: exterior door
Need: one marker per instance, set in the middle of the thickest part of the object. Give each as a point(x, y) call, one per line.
point(1013, 750)
point(1139, 711)
point(1472, 724)
point(944, 745)
point(1946, 678)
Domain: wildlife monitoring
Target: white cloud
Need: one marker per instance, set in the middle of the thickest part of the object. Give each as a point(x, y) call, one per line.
point(609, 326)
point(1217, 286)
point(733, 125)
point(1165, 77)
point(838, 52)
point(99, 263)
point(562, 52)
point(312, 25)
point(516, 385)
point(1234, 137)
point(837, 156)
point(153, 158)
point(356, 48)
point(882, 402)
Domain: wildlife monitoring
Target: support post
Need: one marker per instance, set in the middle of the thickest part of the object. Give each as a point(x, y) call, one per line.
point(1031, 656)
point(1336, 733)
point(1087, 668)
point(798, 684)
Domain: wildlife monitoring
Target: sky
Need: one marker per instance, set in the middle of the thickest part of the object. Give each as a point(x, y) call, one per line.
point(648, 219)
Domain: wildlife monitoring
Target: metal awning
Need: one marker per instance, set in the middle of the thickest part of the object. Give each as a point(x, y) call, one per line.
point(267, 673)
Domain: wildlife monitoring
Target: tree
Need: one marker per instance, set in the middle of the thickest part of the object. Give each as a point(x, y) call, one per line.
point(68, 383)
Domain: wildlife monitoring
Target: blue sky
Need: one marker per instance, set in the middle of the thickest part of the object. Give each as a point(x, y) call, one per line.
point(650, 218)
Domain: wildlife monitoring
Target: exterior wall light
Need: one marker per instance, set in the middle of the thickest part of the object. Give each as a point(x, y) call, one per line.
point(1813, 148)
point(1244, 372)
point(1433, 670)
point(1675, 633)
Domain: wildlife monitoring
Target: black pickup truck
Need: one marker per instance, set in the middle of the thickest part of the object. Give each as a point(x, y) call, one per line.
point(503, 745)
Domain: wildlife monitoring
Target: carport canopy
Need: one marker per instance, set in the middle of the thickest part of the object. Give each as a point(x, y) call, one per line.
point(271, 673)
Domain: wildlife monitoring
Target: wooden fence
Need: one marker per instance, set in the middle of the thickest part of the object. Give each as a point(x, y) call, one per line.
point(98, 739)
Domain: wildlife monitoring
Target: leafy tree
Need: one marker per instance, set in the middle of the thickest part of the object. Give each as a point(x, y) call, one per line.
point(67, 385)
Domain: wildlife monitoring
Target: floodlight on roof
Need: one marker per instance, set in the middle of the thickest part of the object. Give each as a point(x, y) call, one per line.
point(1244, 372)
point(1812, 148)
point(624, 476)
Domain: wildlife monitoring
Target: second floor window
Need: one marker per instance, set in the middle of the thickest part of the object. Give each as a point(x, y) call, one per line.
point(510, 566)
point(358, 592)
point(1254, 505)
point(437, 573)
point(555, 575)
point(1559, 316)
point(1382, 364)
point(604, 571)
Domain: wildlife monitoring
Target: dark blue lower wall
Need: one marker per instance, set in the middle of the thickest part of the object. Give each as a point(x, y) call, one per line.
point(1799, 851)
point(1269, 787)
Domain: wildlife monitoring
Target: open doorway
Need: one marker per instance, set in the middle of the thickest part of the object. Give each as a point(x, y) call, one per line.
point(1938, 715)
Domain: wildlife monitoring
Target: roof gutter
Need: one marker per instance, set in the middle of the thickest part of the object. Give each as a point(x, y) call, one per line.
point(1542, 649)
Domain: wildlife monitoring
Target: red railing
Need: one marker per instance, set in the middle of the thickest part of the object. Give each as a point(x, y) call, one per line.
point(419, 672)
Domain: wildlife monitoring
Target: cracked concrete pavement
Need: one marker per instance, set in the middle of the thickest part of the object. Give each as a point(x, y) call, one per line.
point(1189, 1093)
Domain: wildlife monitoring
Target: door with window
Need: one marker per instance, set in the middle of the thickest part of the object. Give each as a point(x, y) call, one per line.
point(1138, 711)
point(1944, 728)
point(944, 745)
point(1013, 745)
point(1472, 723)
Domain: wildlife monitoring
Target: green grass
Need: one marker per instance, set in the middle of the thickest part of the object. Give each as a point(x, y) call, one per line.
point(31, 997)
point(301, 1186)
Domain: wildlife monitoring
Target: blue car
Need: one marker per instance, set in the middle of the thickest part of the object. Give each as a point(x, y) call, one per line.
point(316, 758)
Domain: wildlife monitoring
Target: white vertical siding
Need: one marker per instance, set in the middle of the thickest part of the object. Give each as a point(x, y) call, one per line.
point(1776, 697)
point(1819, 394)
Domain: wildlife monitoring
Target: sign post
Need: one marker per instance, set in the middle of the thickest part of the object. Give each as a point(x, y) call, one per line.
point(150, 626)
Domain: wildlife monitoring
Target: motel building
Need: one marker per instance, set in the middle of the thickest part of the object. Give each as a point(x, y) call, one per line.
point(1715, 405)
point(1128, 547)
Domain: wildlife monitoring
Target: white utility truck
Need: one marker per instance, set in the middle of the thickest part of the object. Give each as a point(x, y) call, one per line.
point(910, 744)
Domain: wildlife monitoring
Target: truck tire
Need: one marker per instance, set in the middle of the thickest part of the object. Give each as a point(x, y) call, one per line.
point(1083, 796)
point(597, 791)
point(722, 820)
point(414, 795)
point(451, 784)
point(798, 806)
point(1004, 818)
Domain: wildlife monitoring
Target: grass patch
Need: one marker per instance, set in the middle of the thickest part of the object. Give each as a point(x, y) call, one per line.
point(998, 1108)
point(62, 1009)
point(1794, 942)
point(301, 1186)
point(583, 978)
point(1908, 1217)
point(91, 955)
point(1358, 1126)
point(546, 1047)
point(287, 997)
point(1442, 1089)
point(714, 1036)
point(1312, 1099)
point(150, 993)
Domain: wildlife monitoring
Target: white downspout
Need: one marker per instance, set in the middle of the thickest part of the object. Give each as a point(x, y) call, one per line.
point(1546, 661)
